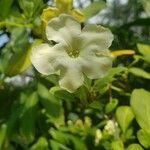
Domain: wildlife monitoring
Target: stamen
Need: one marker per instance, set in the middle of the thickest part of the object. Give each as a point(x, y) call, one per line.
point(73, 53)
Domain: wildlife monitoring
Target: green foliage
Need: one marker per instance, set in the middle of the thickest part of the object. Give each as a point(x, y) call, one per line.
point(124, 117)
point(135, 147)
point(67, 138)
point(93, 9)
point(41, 144)
point(144, 138)
point(28, 121)
point(139, 72)
point(109, 113)
point(140, 104)
point(5, 9)
point(2, 134)
point(31, 9)
point(117, 145)
point(111, 106)
point(145, 51)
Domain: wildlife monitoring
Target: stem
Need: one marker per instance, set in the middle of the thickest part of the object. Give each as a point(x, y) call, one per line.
point(110, 93)
point(4, 23)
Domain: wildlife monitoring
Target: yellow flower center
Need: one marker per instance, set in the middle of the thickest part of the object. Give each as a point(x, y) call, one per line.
point(73, 53)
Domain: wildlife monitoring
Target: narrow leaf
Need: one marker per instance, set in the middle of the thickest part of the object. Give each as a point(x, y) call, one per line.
point(139, 72)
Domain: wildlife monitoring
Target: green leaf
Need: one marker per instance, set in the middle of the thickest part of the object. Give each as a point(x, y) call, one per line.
point(111, 106)
point(31, 9)
point(103, 83)
point(3, 129)
point(124, 117)
point(5, 8)
point(28, 121)
point(139, 72)
point(14, 120)
point(41, 144)
point(67, 139)
point(146, 5)
point(93, 8)
point(57, 146)
point(117, 145)
point(144, 138)
point(145, 51)
point(134, 147)
point(129, 133)
point(61, 94)
point(19, 40)
point(96, 105)
point(140, 103)
point(20, 61)
point(51, 104)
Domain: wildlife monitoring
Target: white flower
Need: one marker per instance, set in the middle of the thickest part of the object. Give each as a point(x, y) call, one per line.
point(111, 127)
point(98, 136)
point(76, 52)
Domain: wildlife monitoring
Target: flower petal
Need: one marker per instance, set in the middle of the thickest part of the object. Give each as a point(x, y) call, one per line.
point(62, 28)
point(96, 67)
point(95, 38)
point(71, 80)
point(71, 73)
point(42, 57)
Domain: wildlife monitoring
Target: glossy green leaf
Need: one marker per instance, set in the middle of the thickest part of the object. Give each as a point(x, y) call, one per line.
point(57, 146)
point(31, 8)
point(68, 139)
point(139, 72)
point(124, 117)
point(5, 8)
point(96, 105)
point(20, 61)
point(28, 121)
point(111, 105)
point(140, 103)
point(51, 104)
point(144, 138)
point(61, 94)
point(134, 147)
point(3, 130)
point(42, 144)
point(102, 84)
point(144, 50)
point(129, 133)
point(117, 145)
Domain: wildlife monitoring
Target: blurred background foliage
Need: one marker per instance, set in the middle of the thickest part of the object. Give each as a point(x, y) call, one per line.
point(112, 113)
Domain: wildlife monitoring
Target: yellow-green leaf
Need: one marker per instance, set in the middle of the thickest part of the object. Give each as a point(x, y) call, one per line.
point(140, 103)
point(145, 51)
point(20, 61)
point(139, 72)
point(93, 8)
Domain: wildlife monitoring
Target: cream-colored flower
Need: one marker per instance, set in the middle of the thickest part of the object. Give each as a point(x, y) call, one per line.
point(111, 127)
point(76, 52)
point(98, 136)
